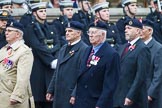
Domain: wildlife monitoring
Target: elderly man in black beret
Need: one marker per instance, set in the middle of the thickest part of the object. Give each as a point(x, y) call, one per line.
point(16, 62)
point(135, 62)
point(155, 75)
point(99, 70)
point(70, 56)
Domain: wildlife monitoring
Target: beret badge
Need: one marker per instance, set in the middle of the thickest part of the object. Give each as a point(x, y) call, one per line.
point(130, 22)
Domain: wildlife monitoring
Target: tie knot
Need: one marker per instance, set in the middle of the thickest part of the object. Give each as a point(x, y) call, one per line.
point(92, 51)
point(128, 44)
point(8, 48)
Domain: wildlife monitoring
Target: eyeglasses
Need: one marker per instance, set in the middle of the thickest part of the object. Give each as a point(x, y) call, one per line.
point(9, 30)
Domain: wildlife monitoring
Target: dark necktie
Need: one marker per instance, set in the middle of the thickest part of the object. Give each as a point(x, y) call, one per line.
point(90, 58)
point(125, 50)
point(8, 48)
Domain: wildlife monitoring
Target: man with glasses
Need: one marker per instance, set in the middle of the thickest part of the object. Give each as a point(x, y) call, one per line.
point(99, 70)
point(65, 77)
point(103, 14)
point(16, 62)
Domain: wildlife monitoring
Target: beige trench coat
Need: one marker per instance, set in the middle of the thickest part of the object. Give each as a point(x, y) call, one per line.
point(15, 69)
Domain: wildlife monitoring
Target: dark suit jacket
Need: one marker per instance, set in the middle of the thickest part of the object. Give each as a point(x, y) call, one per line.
point(65, 77)
point(96, 84)
point(132, 80)
point(155, 76)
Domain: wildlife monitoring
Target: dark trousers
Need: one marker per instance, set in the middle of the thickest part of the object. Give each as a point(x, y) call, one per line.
point(43, 104)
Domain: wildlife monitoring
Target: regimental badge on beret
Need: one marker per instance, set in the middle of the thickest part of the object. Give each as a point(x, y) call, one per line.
point(68, 24)
point(130, 22)
point(4, 13)
point(11, 24)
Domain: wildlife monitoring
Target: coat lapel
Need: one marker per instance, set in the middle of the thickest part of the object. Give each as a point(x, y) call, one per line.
point(71, 52)
point(130, 51)
point(7, 54)
point(151, 43)
point(99, 54)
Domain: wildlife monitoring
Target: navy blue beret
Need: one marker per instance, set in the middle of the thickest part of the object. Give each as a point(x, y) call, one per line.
point(75, 25)
point(147, 22)
point(99, 25)
point(17, 25)
point(134, 23)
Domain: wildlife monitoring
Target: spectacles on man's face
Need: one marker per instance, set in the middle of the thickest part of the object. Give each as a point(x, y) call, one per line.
point(9, 30)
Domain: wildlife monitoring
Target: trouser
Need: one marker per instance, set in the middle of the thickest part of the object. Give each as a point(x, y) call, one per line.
point(43, 104)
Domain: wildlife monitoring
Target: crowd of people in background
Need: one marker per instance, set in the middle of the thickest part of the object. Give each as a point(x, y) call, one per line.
point(80, 59)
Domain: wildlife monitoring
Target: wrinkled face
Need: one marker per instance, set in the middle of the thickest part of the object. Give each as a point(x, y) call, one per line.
point(41, 14)
point(68, 12)
point(103, 14)
point(8, 7)
point(11, 34)
point(146, 32)
point(95, 36)
point(72, 35)
point(131, 33)
point(3, 23)
point(132, 8)
point(85, 5)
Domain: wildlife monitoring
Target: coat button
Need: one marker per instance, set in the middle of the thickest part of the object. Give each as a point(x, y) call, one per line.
point(85, 86)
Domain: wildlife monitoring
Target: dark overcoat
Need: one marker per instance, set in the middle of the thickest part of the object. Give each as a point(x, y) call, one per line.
point(64, 79)
point(43, 56)
point(132, 81)
point(154, 82)
point(96, 84)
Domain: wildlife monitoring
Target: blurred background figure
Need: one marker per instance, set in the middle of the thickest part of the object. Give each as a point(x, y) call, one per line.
point(5, 4)
point(4, 17)
point(18, 4)
point(28, 18)
point(130, 10)
point(85, 16)
point(156, 17)
point(54, 3)
point(66, 9)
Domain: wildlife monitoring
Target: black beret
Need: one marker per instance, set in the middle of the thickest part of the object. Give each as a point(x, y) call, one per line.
point(99, 25)
point(134, 23)
point(147, 22)
point(75, 25)
point(17, 25)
